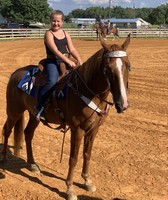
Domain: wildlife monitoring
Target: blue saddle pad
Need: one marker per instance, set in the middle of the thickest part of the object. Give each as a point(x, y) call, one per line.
point(26, 85)
point(26, 82)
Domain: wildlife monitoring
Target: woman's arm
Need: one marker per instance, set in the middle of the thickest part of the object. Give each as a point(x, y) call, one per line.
point(72, 49)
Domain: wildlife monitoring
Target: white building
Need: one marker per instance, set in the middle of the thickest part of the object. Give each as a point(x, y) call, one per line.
point(128, 23)
point(83, 20)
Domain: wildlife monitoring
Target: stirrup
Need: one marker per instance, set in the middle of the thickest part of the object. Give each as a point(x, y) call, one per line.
point(39, 116)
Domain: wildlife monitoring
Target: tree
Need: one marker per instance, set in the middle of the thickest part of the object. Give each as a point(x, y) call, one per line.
point(118, 12)
point(77, 13)
point(143, 13)
point(159, 15)
point(24, 11)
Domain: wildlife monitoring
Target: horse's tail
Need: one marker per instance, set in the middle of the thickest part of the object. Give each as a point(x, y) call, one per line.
point(18, 135)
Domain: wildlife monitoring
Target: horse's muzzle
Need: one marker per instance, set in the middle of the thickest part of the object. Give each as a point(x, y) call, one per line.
point(120, 107)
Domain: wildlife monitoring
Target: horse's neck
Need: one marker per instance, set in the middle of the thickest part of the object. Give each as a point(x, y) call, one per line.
point(92, 66)
point(92, 73)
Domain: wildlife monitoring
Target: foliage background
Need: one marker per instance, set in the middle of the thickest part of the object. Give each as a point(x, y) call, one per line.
point(25, 11)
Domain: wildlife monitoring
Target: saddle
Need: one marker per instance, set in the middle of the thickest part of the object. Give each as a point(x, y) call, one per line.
point(35, 77)
point(64, 70)
point(64, 66)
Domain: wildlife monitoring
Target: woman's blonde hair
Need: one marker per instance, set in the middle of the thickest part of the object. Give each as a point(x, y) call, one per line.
point(57, 12)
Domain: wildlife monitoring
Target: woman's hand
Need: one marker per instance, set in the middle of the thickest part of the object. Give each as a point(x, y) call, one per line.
point(71, 63)
point(80, 62)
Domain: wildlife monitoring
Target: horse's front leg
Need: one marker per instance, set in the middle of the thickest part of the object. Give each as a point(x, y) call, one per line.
point(76, 137)
point(29, 133)
point(88, 144)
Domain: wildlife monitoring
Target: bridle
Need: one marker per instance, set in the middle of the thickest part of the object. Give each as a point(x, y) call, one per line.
point(115, 54)
point(112, 54)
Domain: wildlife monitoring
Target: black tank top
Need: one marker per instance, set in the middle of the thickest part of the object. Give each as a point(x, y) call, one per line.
point(61, 45)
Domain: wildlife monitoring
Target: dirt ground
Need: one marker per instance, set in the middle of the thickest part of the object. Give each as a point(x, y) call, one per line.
point(130, 153)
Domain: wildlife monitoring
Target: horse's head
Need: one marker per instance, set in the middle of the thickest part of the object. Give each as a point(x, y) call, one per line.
point(116, 68)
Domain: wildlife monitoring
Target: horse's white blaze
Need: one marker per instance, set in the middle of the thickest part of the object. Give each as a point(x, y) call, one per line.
point(121, 82)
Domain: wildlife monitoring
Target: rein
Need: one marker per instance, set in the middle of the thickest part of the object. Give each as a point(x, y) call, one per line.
point(83, 81)
point(91, 104)
point(113, 54)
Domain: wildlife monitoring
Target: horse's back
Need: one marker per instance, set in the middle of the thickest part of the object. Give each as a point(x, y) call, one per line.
point(18, 73)
point(15, 97)
point(15, 78)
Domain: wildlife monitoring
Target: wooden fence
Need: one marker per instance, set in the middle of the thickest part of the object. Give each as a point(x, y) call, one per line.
point(82, 33)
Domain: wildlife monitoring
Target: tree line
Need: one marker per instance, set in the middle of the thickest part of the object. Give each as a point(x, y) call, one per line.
point(156, 16)
point(24, 11)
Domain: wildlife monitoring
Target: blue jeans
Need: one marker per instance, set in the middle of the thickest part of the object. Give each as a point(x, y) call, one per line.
point(52, 72)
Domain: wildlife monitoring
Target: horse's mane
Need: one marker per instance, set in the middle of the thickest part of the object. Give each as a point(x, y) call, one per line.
point(91, 66)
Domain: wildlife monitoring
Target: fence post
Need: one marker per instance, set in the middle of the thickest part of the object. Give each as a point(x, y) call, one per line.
point(160, 32)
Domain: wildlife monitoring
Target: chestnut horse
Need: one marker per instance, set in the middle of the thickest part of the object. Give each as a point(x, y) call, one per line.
point(84, 108)
point(103, 31)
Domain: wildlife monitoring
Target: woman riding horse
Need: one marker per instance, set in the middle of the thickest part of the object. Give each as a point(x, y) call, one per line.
point(105, 30)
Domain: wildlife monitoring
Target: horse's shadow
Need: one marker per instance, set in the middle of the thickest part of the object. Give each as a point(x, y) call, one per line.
point(15, 166)
point(117, 199)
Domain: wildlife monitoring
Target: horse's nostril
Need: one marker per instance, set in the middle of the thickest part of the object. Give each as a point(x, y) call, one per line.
point(124, 109)
point(118, 108)
point(119, 111)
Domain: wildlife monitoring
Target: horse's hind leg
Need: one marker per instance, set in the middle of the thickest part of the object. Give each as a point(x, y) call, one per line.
point(29, 133)
point(6, 131)
point(97, 35)
point(113, 37)
point(88, 144)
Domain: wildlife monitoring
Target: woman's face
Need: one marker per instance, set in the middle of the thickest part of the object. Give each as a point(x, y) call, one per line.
point(56, 22)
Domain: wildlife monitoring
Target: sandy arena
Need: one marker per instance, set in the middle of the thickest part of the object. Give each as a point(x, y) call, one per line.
point(130, 153)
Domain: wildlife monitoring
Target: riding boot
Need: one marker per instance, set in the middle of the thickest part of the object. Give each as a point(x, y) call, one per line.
point(42, 101)
point(40, 108)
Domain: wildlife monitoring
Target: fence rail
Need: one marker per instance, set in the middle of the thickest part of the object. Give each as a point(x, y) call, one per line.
point(81, 33)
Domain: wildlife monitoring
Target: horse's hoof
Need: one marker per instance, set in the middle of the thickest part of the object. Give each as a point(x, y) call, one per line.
point(34, 168)
point(72, 196)
point(89, 186)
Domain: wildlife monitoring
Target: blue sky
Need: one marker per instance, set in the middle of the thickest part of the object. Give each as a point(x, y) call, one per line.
point(68, 5)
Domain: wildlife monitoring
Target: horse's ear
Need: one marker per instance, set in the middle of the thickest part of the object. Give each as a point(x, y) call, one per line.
point(103, 43)
point(127, 42)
